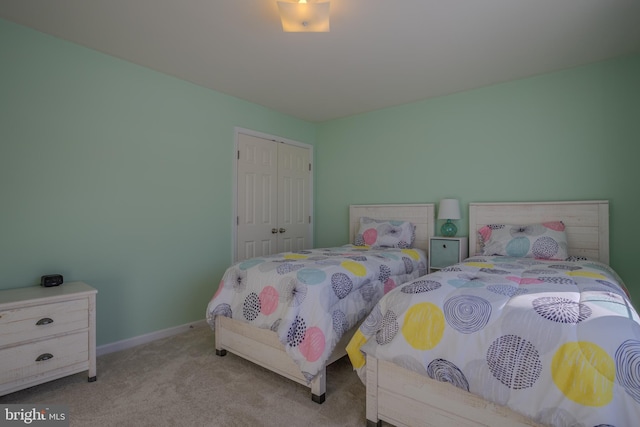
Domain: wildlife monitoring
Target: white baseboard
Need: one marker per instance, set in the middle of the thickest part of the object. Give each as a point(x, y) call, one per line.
point(143, 339)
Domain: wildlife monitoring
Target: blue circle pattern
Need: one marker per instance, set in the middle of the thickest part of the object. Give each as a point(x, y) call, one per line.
point(557, 280)
point(628, 367)
point(311, 276)
point(507, 290)
point(420, 286)
point(368, 291)
point(341, 284)
point(245, 265)
point(444, 371)
point(561, 310)
point(514, 361)
point(288, 267)
point(385, 273)
point(340, 323)
point(517, 247)
point(545, 247)
point(251, 307)
point(296, 332)
point(408, 264)
point(467, 313)
point(389, 328)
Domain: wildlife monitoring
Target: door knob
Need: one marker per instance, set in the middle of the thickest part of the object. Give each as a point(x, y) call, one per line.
point(274, 230)
point(282, 230)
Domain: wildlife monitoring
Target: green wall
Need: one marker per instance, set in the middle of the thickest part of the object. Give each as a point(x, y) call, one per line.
point(118, 176)
point(570, 135)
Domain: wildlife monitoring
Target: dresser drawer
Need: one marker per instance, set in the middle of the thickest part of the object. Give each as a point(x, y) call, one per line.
point(21, 361)
point(46, 333)
point(38, 321)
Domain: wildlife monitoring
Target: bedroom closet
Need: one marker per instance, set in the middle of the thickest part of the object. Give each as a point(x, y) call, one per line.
point(273, 196)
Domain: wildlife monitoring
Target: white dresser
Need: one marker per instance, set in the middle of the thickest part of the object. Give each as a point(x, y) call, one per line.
point(46, 333)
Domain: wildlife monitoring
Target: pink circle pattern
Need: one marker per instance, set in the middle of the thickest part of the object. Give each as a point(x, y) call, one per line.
point(370, 235)
point(313, 344)
point(268, 300)
point(389, 285)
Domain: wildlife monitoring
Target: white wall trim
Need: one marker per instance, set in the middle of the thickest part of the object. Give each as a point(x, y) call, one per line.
point(146, 338)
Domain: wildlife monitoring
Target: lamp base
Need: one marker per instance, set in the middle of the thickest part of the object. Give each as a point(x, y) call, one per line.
point(448, 229)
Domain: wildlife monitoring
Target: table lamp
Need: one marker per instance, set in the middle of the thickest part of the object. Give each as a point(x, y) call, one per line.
point(449, 209)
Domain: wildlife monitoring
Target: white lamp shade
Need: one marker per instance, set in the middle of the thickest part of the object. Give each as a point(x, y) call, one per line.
point(449, 209)
point(304, 17)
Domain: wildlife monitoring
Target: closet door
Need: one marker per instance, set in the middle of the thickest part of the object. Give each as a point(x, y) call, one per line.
point(257, 198)
point(273, 197)
point(293, 198)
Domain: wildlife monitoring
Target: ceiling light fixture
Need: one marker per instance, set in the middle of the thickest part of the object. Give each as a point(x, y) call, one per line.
point(303, 16)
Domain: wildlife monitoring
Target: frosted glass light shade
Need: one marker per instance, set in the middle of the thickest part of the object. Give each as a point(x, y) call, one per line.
point(304, 17)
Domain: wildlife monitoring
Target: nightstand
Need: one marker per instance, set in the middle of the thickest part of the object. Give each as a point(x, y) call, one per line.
point(46, 333)
point(446, 251)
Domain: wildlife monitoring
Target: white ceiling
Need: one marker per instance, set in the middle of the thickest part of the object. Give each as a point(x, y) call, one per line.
point(377, 54)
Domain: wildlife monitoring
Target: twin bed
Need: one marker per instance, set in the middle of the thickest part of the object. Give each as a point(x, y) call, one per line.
point(503, 338)
point(293, 313)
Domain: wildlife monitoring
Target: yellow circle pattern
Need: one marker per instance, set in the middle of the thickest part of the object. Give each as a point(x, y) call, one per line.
point(295, 256)
point(354, 267)
point(412, 253)
point(589, 274)
point(479, 264)
point(423, 326)
point(356, 357)
point(584, 372)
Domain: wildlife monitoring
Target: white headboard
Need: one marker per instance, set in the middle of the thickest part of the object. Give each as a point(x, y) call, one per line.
point(586, 222)
point(420, 215)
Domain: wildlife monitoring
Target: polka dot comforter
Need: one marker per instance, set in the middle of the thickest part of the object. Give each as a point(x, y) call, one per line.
point(311, 298)
point(557, 341)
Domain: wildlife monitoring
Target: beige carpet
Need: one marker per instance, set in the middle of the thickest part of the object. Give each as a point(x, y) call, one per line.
point(179, 381)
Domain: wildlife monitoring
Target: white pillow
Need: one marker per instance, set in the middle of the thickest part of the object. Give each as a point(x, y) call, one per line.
point(385, 233)
point(547, 240)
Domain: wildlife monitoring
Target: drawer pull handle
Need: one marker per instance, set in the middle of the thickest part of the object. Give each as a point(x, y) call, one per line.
point(44, 356)
point(44, 321)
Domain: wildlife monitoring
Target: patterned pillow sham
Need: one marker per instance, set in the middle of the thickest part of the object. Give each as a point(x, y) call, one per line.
point(547, 240)
point(385, 233)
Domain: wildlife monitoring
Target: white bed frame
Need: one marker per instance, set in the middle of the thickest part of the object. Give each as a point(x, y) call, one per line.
point(404, 398)
point(261, 346)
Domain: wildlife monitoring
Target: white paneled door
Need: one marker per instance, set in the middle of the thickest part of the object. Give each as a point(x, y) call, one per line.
point(273, 197)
